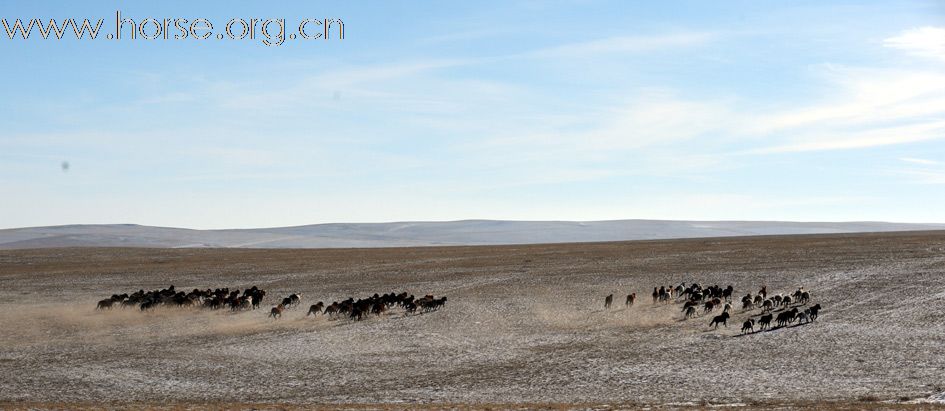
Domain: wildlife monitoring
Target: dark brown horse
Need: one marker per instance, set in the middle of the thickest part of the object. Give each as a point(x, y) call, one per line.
point(608, 301)
point(315, 308)
point(276, 311)
point(332, 309)
point(709, 306)
point(378, 308)
point(804, 298)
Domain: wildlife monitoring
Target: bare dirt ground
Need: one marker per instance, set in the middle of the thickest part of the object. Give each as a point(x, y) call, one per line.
point(523, 325)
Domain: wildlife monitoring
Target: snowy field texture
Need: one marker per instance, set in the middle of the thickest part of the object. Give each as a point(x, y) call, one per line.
point(523, 325)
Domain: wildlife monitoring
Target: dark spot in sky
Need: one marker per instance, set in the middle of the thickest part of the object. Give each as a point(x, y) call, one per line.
point(65, 166)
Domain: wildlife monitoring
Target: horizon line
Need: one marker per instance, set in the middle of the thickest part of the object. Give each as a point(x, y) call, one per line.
point(475, 220)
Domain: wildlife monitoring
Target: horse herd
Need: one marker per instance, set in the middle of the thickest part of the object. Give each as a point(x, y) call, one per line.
point(695, 299)
point(250, 299)
point(360, 308)
point(210, 299)
point(694, 296)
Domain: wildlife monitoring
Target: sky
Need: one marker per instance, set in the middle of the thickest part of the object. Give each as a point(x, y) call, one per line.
point(443, 110)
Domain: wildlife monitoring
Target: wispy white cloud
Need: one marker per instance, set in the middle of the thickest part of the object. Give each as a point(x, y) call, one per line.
point(868, 107)
point(920, 161)
point(466, 35)
point(921, 170)
point(625, 44)
point(237, 156)
point(506, 126)
point(865, 108)
point(652, 119)
point(922, 41)
point(860, 96)
point(922, 176)
point(852, 139)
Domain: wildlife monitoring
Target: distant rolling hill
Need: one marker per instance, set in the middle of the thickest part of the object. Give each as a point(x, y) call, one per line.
point(403, 234)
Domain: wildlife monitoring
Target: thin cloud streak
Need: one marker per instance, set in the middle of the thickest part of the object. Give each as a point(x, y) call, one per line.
point(923, 41)
point(920, 161)
point(624, 44)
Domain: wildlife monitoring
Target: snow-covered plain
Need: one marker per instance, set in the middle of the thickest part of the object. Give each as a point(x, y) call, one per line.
point(524, 324)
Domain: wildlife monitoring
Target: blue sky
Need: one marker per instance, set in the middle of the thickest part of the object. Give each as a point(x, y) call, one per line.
point(434, 110)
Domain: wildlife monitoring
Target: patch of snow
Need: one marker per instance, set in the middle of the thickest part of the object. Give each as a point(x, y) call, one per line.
point(932, 399)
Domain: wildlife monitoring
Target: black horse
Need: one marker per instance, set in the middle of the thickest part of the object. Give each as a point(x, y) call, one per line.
point(786, 317)
point(748, 326)
point(814, 311)
point(765, 320)
point(719, 319)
